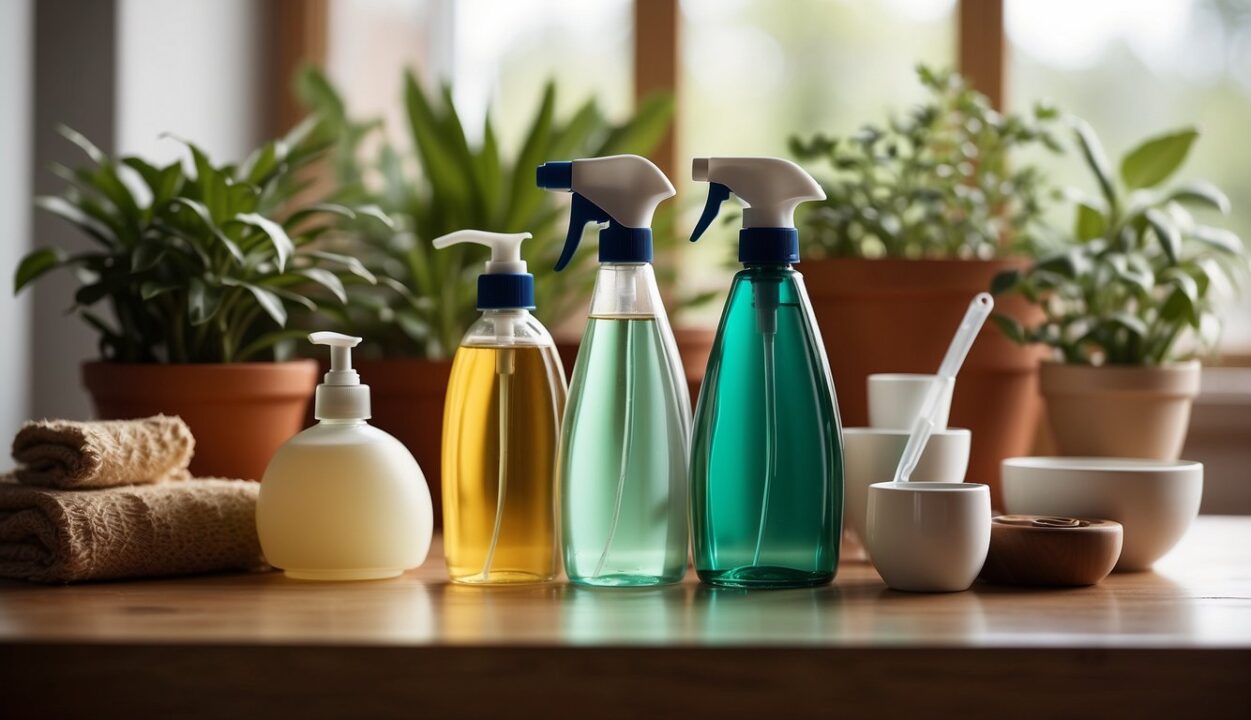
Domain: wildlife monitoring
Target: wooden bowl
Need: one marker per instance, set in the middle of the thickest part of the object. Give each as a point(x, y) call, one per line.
point(1042, 550)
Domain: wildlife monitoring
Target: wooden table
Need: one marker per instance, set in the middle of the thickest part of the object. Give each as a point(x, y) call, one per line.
point(1172, 643)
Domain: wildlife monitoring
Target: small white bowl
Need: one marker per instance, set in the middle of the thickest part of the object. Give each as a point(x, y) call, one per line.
point(1155, 500)
point(895, 400)
point(928, 537)
point(871, 455)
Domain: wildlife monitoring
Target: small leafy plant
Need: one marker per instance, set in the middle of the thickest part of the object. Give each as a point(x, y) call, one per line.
point(463, 184)
point(1141, 272)
point(934, 183)
point(199, 266)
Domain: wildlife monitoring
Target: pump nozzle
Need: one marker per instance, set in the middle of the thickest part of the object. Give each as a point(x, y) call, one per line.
point(340, 396)
point(621, 191)
point(505, 248)
point(505, 284)
point(770, 187)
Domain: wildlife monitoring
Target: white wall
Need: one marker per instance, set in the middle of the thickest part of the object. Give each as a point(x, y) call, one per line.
point(193, 69)
point(16, 29)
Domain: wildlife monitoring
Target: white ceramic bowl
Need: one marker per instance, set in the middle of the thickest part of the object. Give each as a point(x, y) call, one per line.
point(1155, 500)
point(871, 455)
point(895, 400)
point(928, 537)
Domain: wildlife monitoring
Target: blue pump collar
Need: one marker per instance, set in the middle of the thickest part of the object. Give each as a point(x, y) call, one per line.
point(768, 246)
point(505, 291)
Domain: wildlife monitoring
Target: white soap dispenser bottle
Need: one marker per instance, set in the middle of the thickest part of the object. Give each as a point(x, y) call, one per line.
point(343, 500)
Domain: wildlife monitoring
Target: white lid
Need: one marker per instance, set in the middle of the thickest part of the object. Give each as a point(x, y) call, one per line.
point(627, 187)
point(770, 187)
point(340, 396)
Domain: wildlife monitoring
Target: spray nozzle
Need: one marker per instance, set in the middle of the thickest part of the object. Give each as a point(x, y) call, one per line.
point(505, 284)
point(771, 188)
point(619, 192)
point(340, 396)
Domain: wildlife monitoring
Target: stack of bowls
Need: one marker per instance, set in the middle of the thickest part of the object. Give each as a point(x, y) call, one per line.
point(871, 454)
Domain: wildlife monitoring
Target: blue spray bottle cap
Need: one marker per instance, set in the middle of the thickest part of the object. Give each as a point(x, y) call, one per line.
point(620, 193)
point(505, 284)
point(771, 188)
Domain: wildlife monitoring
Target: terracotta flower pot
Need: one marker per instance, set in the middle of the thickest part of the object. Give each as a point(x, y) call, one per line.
point(899, 316)
point(240, 413)
point(407, 397)
point(1120, 411)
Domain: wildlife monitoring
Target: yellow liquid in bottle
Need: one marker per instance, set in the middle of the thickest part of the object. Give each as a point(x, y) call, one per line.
point(486, 540)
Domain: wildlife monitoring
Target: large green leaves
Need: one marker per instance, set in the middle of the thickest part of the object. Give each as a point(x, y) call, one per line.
point(1135, 287)
point(1156, 159)
point(196, 265)
point(1097, 160)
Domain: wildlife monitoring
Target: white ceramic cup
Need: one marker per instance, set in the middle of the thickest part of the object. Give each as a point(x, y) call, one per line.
point(928, 537)
point(871, 455)
point(1154, 500)
point(895, 400)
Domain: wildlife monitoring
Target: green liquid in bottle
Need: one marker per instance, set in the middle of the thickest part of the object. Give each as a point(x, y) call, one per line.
point(623, 459)
point(766, 461)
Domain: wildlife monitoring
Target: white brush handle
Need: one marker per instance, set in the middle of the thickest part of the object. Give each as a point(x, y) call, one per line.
point(961, 342)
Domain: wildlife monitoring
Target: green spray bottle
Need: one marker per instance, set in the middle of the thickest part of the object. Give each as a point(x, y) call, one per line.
point(626, 433)
point(766, 456)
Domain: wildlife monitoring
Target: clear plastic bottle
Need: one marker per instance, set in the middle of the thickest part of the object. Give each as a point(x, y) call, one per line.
point(766, 463)
point(624, 440)
point(501, 429)
point(626, 431)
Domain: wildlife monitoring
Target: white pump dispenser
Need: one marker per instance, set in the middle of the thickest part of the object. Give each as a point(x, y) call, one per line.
point(505, 248)
point(343, 500)
point(341, 395)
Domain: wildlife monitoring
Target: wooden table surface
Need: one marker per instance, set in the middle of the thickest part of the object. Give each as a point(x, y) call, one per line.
point(1158, 643)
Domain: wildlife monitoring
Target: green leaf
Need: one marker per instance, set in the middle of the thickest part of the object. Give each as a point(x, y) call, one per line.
point(82, 142)
point(283, 247)
point(206, 219)
point(1166, 232)
point(1153, 161)
point(146, 256)
point(203, 301)
point(1097, 160)
point(349, 263)
point(1089, 223)
point(1218, 239)
point(524, 197)
point(1200, 193)
point(68, 211)
point(645, 130)
point(439, 165)
point(326, 279)
point(151, 289)
point(35, 264)
point(1004, 281)
point(1010, 328)
point(269, 302)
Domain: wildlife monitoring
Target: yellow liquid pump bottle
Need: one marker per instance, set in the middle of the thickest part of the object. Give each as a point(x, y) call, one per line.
point(501, 428)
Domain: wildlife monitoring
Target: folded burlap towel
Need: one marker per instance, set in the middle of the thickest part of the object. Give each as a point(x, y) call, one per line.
point(197, 526)
point(103, 453)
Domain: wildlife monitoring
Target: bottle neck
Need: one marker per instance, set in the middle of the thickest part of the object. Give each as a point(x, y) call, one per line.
point(626, 289)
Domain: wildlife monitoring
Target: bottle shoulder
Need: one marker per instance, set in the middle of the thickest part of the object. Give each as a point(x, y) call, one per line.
point(511, 328)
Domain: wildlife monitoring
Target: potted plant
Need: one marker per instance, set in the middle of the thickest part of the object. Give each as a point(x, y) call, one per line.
point(199, 271)
point(920, 215)
point(459, 183)
point(1126, 307)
